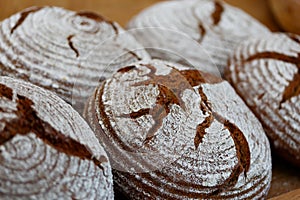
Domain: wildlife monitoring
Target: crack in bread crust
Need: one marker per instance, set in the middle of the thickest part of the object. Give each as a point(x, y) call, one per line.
point(71, 45)
point(23, 17)
point(217, 14)
point(6, 92)
point(240, 142)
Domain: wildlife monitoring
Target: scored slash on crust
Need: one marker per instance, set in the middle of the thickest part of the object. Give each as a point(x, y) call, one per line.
point(215, 16)
point(27, 121)
point(293, 88)
point(23, 17)
point(71, 45)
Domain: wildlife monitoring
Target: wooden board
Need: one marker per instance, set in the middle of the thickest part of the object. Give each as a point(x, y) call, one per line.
point(293, 195)
point(285, 178)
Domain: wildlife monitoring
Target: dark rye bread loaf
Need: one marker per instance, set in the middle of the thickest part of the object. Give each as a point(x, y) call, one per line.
point(265, 71)
point(47, 151)
point(64, 51)
point(173, 132)
point(202, 32)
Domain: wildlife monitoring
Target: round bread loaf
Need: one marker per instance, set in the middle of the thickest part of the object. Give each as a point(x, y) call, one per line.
point(265, 72)
point(64, 51)
point(47, 151)
point(173, 132)
point(203, 32)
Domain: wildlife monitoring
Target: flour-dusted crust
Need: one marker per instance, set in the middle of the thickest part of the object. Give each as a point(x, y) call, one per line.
point(202, 32)
point(47, 151)
point(266, 72)
point(173, 132)
point(64, 51)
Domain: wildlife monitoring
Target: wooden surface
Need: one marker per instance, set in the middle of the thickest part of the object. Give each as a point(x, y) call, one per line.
point(122, 10)
point(293, 195)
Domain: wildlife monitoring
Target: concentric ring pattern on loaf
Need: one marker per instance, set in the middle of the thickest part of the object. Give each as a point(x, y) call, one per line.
point(47, 151)
point(173, 132)
point(266, 72)
point(200, 31)
point(64, 51)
